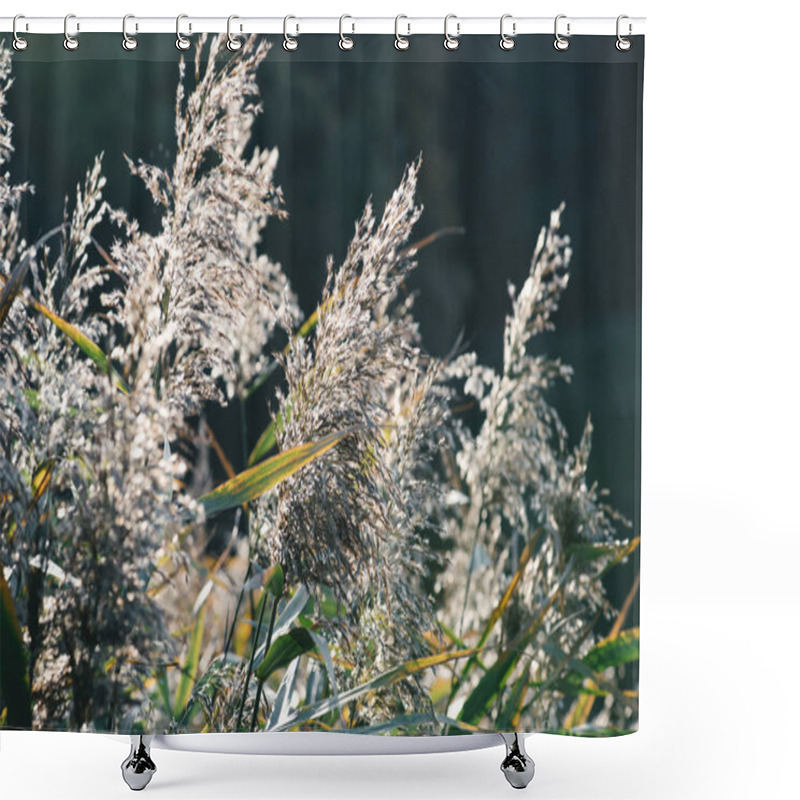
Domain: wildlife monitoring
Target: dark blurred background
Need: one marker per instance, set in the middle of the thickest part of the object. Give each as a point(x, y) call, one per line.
point(505, 138)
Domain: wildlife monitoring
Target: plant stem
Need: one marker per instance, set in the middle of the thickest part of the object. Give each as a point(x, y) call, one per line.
point(252, 658)
point(266, 650)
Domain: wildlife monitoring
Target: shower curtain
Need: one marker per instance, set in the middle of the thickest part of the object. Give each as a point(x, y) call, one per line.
point(320, 379)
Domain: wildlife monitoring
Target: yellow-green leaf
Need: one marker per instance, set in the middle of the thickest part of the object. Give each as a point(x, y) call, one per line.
point(618, 648)
point(85, 344)
point(41, 480)
point(189, 670)
point(253, 482)
point(11, 288)
point(613, 651)
point(509, 592)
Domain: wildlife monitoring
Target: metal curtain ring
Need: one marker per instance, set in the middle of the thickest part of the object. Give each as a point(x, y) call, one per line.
point(70, 42)
point(289, 43)
point(561, 43)
point(345, 42)
point(451, 42)
point(128, 42)
point(401, 42)
point(507, 42)
point(623, 44)
point(181, 42)
point(19, 43)
point(233, 43)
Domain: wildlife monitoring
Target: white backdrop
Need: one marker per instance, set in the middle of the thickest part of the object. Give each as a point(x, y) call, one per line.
point(720, 442)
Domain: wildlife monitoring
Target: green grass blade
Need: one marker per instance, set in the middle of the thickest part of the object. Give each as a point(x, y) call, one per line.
point(280, 708)
point(501, 607)
point(269, 438)
point(12, 287)
point(13, 663)
point(253, 482)
point(273, 580)
point(292, 610)
point(265, 443)
point(590, 733)
point(509, 716)
point(585, 553)
point(189, 671)
point(85, 344)
point(585, 678)
point(283, 651)
point(379, 682)
point(627, 550)
point(162, 684)
point(489, 687)
point(614, 651)
point(494, 680)
point(400, 721)
point(325, 652)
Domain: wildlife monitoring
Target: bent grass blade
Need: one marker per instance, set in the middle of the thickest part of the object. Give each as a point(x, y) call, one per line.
point(381, 681)
point(253, 482)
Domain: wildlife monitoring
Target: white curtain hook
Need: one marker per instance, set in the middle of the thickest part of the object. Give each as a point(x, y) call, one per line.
point(128, 42)
point(19, 43)
point(451, 42)
point(560, 43)
point(181, 41)
point(289, 42)
point(401, 42)
point(507, 42)
point(345, 42)
point(70, 42)
point(233, 43)
point(623, 44)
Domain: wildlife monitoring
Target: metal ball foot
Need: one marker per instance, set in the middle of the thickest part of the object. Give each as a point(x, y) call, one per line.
point(517, 766)
point(138, 768)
